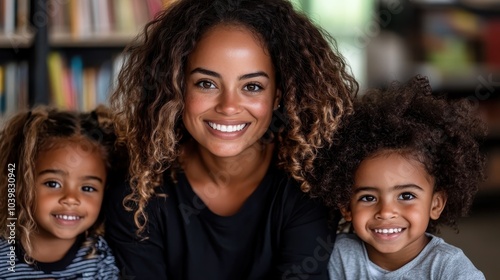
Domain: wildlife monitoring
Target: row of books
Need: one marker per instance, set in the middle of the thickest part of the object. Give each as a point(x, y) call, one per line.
point(14, 16)
point(13, 87)
point(73, 85)
point(455, 40)
point(76, 86)
point(84, 18)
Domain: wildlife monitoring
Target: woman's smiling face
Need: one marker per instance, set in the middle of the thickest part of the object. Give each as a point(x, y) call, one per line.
point(230, 91)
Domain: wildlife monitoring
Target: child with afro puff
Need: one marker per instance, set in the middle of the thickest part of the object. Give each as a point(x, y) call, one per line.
point(405, 162)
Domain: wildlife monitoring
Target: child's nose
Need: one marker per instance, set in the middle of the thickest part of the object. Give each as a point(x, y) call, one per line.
point(70, 198)
point(386, 210)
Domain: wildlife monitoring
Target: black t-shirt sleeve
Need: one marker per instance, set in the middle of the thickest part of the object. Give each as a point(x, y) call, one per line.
point(137, 258)
point(306, 242)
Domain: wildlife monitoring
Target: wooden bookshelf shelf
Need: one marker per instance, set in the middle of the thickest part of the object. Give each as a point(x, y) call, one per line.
point(60, 40)
point(15, 40)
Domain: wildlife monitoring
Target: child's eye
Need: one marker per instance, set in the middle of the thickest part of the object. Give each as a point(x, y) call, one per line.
point(52, 184)
point(88, 189)
point(406, 196)
point(205, 85)
point(367, 198)
point(252, 87)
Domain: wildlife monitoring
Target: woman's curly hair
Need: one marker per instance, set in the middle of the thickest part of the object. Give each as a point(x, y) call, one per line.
point(316, 84)
point(24, 136)
point(445, 135)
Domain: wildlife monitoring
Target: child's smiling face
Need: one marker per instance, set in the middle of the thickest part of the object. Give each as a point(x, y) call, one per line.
point(69, 184)
point(392, 202)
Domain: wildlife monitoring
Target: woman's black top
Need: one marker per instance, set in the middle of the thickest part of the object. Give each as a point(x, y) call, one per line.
point(279, 233)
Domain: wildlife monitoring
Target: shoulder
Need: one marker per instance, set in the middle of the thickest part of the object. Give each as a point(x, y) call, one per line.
point(120, 223)
point(449, 260)
point(348, 242)
point(4, 245)
point(98, 244)
point(348, 249)
point(286, 194)
point(348, 238)
point(4, 254)
point(437, 245)
point(117, 193)
point(115, 198)
point(285, 186)
point(7, 252)
point(102, 246)
point(105, 261)
point(348, 259)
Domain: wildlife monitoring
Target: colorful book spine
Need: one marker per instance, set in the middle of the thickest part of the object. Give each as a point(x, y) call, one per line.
point(55, 64)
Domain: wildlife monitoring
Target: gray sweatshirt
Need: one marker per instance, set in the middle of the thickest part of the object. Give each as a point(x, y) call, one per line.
point(438, 260)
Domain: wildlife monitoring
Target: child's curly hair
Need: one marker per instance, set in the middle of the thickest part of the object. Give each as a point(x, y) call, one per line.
point(316, 85)
point(444, 135)
point(28, 133)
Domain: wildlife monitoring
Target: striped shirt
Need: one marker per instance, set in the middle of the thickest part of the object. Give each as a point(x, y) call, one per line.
point(72, 266)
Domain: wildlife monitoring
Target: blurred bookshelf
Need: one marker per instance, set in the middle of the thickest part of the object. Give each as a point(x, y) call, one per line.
point(15, 41)
point(456, 44)
point(460, 44)
point(66, 53)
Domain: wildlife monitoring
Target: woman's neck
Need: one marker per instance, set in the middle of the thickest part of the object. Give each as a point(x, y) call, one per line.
point(250, 165)
point(224, 184)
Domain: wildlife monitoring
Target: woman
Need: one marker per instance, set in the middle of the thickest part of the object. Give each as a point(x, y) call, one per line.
point(224, 105)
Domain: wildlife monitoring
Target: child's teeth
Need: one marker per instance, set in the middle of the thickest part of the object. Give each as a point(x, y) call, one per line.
point(388, 230)
point(68, 217)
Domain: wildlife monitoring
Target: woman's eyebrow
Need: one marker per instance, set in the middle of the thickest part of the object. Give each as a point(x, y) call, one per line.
point(253, 75)
point(217, 75)
point(205, 72)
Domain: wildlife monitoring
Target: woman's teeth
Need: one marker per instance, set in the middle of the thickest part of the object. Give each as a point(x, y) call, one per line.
point(226, 128)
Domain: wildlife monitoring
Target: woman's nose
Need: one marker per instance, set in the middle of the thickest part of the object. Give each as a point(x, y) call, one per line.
point(228, 102)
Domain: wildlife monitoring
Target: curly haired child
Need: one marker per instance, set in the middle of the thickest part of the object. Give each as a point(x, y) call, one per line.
point(225, 105)
point(404, 163)
point(54, 173)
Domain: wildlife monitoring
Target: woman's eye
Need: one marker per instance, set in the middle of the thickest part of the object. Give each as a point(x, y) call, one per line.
point(206, 85)
point(88, 189)
point(52, 184)
point(406, 196)
point(252, 87)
